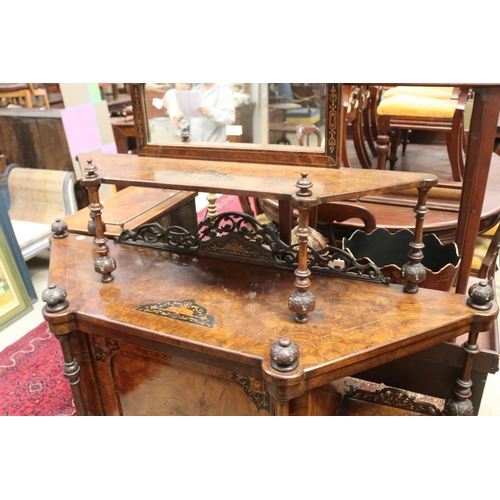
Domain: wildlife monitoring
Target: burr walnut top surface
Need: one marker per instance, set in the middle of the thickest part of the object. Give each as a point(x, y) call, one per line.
point(238, 311)
point(249, 179)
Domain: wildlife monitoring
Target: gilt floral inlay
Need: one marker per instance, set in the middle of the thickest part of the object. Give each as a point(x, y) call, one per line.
point(254, 388)
point(181, 310)
point(141, 139)
point(333, 115)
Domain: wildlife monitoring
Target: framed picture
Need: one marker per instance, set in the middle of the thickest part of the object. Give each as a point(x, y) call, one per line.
point(10, 236)
point(14, 299)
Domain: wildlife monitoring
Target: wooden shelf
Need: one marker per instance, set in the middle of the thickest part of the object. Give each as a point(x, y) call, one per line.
point(246, 178)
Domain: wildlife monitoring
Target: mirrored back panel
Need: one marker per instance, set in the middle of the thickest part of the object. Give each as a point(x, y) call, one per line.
point(292, 123)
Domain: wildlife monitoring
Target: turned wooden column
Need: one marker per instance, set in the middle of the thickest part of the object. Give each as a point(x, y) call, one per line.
point(212, 205)
point(302, 301)
point(61, 322)
point(104, 264)
point(414, 271)
point(481, 298)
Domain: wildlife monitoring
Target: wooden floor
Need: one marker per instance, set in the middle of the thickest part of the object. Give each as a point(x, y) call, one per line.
point(429, 158)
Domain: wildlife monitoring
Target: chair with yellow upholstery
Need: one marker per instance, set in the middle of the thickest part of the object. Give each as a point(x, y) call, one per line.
point(422, 108)
point(26, 91)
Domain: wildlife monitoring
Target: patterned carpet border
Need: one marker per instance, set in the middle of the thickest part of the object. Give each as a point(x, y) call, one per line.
point(31, 377)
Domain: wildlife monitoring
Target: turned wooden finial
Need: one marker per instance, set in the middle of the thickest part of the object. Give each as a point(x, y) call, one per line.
point(285, 355)
point(59, 228)
point(55, 298)
point(304, 185)
point(481, 296)
point(90, 170)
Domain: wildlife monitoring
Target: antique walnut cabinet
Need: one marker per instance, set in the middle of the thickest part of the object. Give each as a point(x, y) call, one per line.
point(229, 318)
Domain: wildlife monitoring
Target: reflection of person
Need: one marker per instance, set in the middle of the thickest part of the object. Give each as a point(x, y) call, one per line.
point(218, 110)
point(170, 103)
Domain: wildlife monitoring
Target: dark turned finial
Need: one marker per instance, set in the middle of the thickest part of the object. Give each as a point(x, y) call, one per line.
point(481, 296)
point(90, 170)
point(59, 228)
point(459, 408)
point(105, 265)
point(55, 298)
point(414, 273)
point(185, 134)
point(285, 355)
point(304, 185)
point(302, 303)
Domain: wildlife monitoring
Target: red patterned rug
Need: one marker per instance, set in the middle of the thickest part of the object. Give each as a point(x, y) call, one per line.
point(31, 377)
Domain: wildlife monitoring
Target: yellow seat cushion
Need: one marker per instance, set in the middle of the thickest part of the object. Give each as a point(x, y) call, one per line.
point(307, 120)
point(409, 105)
point(433, 92)
point(491, 232)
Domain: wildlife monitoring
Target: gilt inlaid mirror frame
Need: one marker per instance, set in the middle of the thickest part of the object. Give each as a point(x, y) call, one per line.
point(329, 156)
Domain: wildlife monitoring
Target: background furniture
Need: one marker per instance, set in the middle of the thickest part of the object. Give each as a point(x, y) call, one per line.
point(124, 133)
point(355, 102)
point(24, 91)
point(244, 117)
point(133, 206)
point(34, 138)
point(37, 198)
point(304, 131)
point(421, 111)
point(296, 109)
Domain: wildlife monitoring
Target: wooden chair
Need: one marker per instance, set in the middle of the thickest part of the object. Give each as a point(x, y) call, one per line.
point(293, 110)
point(407, 111)
point(303, 131)
point(24, 91)
point(370, 118)
point(304, 114)
point(355, 101)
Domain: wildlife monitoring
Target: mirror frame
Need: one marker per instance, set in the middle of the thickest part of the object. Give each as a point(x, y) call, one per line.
point(247, 153)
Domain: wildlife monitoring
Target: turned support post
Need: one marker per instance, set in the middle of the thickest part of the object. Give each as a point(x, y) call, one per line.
point(212, 205)
point(62, 324)
point(481, 297)
point(414, 271)
point(284, 357)
point(104, 264)
point(302, 301)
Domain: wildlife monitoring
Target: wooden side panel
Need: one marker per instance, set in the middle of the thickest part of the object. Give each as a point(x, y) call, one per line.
point(135, 381)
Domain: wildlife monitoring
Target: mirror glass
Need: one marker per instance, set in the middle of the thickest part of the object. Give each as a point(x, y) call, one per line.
point(238, 113)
